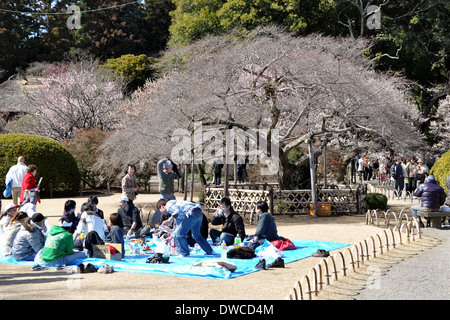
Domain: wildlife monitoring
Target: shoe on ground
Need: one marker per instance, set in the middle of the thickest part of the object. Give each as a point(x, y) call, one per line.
point(321, 253)
point(278, 263)
point(90, 268)
point(38, 267)
point(261, 264)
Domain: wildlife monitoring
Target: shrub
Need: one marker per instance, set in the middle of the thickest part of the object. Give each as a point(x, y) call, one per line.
point(55, 164)
point(441, 169)
point(375, 201)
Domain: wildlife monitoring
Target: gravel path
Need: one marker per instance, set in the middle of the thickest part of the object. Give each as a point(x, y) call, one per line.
point(423, 276)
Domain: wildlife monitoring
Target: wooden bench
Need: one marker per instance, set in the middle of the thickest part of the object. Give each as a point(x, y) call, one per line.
point(435, 216)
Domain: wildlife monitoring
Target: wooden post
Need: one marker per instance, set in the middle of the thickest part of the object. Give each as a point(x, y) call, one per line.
point(312, 171)
point(227, 155)
point(185, 181)
point(325, 165)
point(192, 178)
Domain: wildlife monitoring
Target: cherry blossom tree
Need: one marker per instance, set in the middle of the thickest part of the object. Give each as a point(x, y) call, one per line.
point(74, 96)
point(296, 88)
point(440, 126)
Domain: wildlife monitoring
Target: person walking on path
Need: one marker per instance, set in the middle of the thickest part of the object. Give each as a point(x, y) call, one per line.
point(16, 173)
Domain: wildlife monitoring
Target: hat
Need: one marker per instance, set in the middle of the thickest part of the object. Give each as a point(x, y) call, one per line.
point(420, 160)
point(38, 217)
point(167, 164)
point(124, 198)
point(431, 177)
point(11, 206)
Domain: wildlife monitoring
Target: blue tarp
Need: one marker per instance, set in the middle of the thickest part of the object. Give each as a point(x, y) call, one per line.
point(183, 267)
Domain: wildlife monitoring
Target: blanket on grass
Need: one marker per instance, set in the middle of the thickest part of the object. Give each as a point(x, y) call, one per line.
point(183, 266)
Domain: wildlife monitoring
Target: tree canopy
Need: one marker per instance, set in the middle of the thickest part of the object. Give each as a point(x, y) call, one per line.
point(303, 87)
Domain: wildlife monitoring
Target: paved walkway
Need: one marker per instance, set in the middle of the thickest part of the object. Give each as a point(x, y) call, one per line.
point(425, 276)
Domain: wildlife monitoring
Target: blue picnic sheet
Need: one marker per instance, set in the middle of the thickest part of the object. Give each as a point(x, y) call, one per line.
point(183, 266)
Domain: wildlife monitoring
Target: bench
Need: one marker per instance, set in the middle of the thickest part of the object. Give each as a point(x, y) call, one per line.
point(435, 216)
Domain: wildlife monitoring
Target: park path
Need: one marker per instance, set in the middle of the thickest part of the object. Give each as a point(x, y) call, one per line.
point(424, 276)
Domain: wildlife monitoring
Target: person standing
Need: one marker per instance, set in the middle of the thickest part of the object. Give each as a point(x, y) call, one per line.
point(411, 171)
point(217, 169)
point(129, 183)
point(16, 173)
point(166, 175)
point(398, 174)
point(29, 192)
point(188, 216)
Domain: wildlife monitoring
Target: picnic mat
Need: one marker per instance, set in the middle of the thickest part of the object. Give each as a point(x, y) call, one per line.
point(183, 266)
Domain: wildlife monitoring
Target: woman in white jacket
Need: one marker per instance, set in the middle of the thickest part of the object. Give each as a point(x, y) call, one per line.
point(10, 232)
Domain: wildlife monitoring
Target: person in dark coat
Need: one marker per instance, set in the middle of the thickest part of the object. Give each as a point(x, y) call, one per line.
point(233, 224)
point(432, 196)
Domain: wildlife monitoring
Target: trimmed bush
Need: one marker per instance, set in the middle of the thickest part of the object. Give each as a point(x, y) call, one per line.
point(441, 169)
point(55, 164)
point(375, 201)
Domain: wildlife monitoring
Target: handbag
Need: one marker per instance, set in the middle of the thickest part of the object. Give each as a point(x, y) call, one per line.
point(283, 244)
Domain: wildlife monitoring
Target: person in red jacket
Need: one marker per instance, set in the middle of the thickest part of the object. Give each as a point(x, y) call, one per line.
point(29, 184)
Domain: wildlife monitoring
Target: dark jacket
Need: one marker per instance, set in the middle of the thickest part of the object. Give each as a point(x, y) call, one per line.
point(432, 195)
point(233, 224)
point(130, 216)
point(397, 171)
point(267, 228)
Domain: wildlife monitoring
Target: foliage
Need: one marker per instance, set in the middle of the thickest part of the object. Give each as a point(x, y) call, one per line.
point(55, 164)
point(441, 169)
point(267, 79)
point(375, 201)
point(74, 96)
point(134, 69)
point(84, 148)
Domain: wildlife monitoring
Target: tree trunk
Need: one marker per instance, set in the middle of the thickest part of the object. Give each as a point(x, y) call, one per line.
point(286, 172)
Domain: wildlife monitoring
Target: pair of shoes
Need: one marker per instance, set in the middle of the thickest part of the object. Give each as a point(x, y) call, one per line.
point(261, 264)
point(106, 269)
point(278, 263)
point(90, 268)
point(38, 267)
point(321, 253)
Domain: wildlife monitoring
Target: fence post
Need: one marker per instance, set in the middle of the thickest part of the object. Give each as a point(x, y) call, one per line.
point(271, 200)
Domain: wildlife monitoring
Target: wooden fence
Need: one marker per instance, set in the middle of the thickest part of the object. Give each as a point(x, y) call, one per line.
point(343, 199)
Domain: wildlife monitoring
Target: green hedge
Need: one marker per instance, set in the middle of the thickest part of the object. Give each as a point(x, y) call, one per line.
point(375, 201)
point(55, 164)
point(441, 169)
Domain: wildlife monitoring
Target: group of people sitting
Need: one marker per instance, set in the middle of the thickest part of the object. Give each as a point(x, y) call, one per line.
point(25, 235)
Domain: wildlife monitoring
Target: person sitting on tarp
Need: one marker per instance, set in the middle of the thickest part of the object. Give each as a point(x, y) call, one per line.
point(58, 248)
point(131, 218)
point(187, 216)
point(266, 229)
point(93, 226)
point(30, 239)
point(233, 224)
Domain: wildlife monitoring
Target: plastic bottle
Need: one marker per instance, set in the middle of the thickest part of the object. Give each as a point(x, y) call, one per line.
point(237, 241)
point(127, 245)
point(223, 250)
